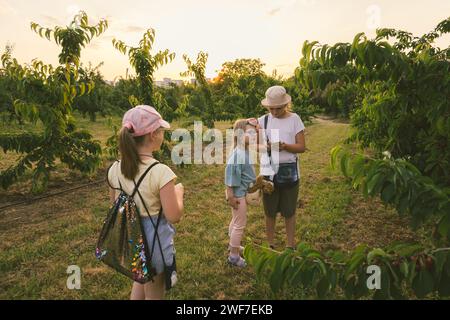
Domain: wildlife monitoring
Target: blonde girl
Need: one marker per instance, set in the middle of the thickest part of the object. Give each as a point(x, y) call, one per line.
point(239, 175)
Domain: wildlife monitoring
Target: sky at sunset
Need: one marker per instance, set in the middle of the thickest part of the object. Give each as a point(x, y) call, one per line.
point(272, 30)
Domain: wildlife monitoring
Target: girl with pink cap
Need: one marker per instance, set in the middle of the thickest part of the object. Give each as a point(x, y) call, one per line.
point(142, 133)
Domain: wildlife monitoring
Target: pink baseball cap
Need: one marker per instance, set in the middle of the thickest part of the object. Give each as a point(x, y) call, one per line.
point(143, 119)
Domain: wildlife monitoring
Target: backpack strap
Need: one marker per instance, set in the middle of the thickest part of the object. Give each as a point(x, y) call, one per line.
point(155, 227)
point(266, 119)
point(156, 235)
point(269, 151)
point(136, 185)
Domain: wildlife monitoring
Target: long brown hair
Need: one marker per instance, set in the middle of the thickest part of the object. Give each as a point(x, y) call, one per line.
point(130, 160)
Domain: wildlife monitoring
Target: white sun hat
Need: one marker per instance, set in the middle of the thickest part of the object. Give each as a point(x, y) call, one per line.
point(276, 96)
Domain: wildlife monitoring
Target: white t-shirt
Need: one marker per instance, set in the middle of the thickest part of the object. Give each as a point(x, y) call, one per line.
point(283, 130)
point(156, 178)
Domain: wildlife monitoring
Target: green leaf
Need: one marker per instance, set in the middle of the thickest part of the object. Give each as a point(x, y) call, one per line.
point(440, 259)
point(322, 267)
point(297, 274)
point(334, 152)
point(404, 269)
point(444, 286)
point(408, 250)
point(322, 287)
point(377, 252)
point(361, 288)
point(444, 283)
point(384, 292)
point(276, 277)
point(444, 225)
point(82, 89)
point(423, 284)
point(388, 193)
point(307, 276)
point(247, 249)
point(403, 204)
point(356, 260)
point(373, 182)
point(349, 287)
point(344, 164)
point(332, 278)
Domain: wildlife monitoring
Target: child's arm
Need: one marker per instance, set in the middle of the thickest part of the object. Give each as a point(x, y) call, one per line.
point(232, 179)
point(232, 200)
point(171, 196)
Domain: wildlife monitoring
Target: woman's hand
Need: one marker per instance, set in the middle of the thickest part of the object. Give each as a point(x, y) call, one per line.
point(299, 145)
point(275, 146)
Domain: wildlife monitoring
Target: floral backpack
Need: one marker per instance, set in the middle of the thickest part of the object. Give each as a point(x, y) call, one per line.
point(122, 243)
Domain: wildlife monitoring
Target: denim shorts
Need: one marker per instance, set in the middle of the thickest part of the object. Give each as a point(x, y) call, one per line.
point(166, 231)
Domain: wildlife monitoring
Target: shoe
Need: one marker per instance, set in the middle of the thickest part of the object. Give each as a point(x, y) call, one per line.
point(237, 261)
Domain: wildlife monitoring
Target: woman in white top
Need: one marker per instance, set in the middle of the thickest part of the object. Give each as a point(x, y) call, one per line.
point(283, 131)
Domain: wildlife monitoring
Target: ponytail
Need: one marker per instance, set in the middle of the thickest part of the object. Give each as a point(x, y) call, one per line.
point(129, 164)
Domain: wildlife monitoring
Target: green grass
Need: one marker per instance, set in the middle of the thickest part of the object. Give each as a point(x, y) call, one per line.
point(39, 241)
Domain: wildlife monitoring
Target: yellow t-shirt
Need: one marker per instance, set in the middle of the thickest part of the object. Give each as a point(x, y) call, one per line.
point(156, 178)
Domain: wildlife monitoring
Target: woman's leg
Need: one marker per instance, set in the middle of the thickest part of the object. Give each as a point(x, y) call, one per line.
point(288, 211)
point(238, 223)
point(137, 291)
point(155, 290)
point(290, 230)
point(271, 208)
point(270, 230)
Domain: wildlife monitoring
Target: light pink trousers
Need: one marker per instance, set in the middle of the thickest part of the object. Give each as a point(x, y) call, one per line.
point(237, 224)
